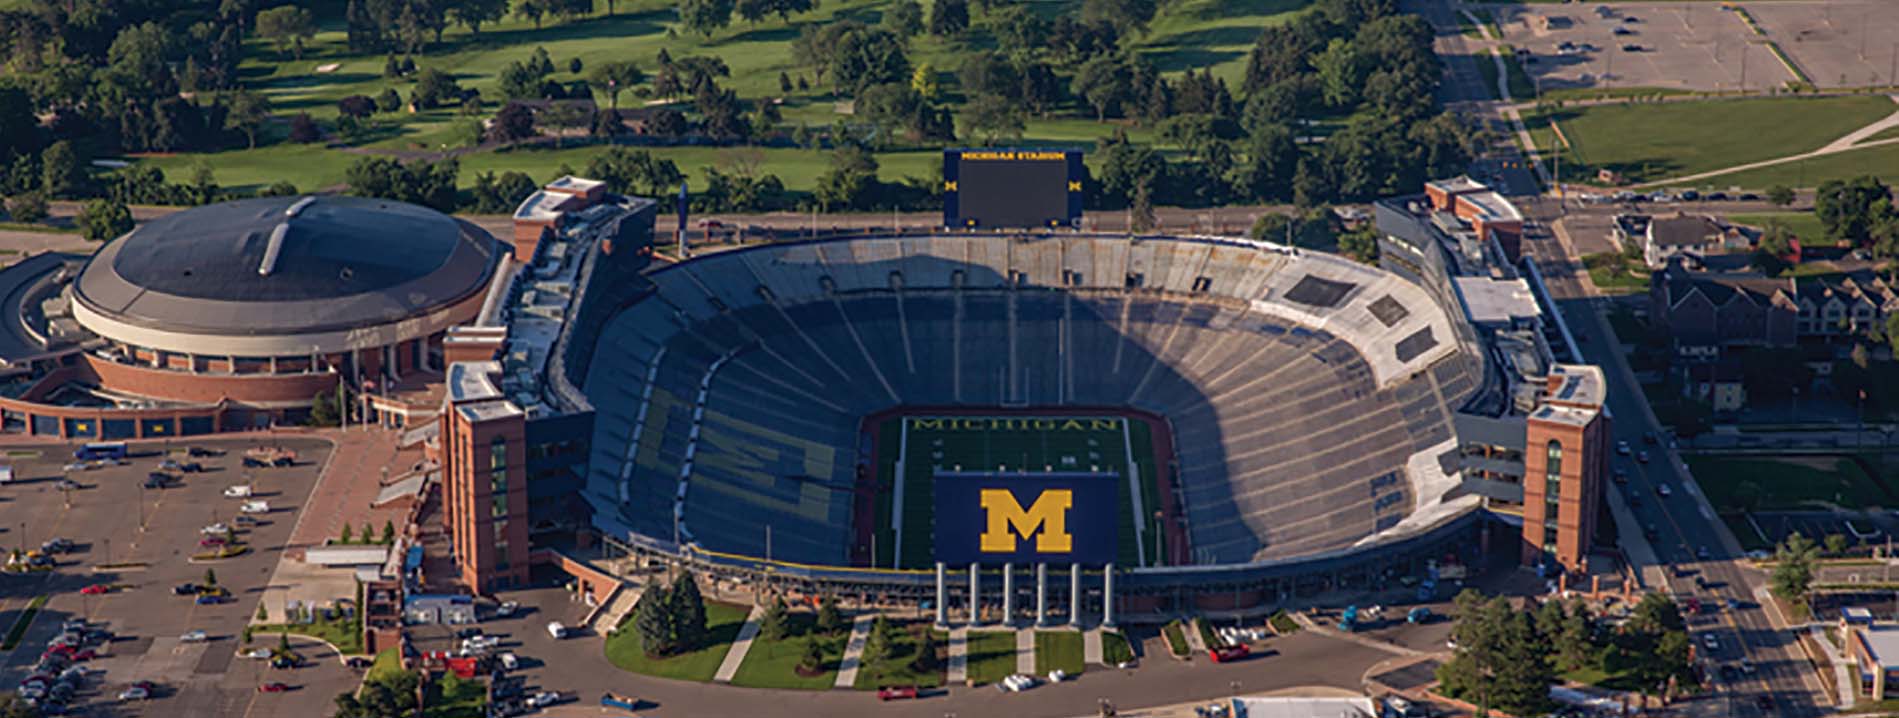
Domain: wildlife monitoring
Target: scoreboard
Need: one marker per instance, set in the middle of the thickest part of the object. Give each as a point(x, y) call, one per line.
point(1012, 188)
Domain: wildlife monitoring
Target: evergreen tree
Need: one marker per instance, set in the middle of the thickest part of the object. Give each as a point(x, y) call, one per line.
point(61, 174)
point(104, 219)
point(1794, 572)
point(388, 532)
point(829, 620)
point(348, 536)
point(813, 659)
point(653, 619)
point(774, 625)
point(925, 660)
point(688, 609)
point(877, 645)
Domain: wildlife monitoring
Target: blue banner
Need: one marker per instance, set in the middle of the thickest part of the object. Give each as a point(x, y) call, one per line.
point(1026, 518)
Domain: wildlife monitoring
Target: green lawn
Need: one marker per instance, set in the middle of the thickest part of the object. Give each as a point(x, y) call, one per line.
point(774, 664)
point(1784, 482)
point(1176, 638)
point(1605, 93)
point(1283, 624)
point(1648, 142)
point(1115, 649)
point(722, 620)
point(1804, 225)
point(387, 664)
point(897, 669)
point(1881, 161)
point(1060, 650)
point(1188, 35)
point(1614, 273)
point(21, 622)
point(345, 634)
point(991, 655)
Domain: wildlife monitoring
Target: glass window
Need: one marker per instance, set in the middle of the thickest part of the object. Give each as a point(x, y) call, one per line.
point(500, 505)
point(498, 453)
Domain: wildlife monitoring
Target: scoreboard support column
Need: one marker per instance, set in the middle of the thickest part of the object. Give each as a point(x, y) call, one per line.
point(1041, 594)
point(1008, 594)
point(942, 597)
point(1074, 595)
point(1107, 596)
point(975, 594)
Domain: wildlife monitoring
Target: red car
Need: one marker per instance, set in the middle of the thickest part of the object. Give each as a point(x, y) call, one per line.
point(1229, 653)
point(211, 542)
point(896, 693)
point(273, 687)
point(85, 655)
point(97, 589)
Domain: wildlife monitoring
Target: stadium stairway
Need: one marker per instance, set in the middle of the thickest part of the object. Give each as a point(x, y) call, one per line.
point(618, 605)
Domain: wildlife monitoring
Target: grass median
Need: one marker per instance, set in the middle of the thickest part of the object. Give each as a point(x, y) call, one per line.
point(626, 651)
point(18, 631)
point(774, 664)
point(1060, 650)
point(991, 656)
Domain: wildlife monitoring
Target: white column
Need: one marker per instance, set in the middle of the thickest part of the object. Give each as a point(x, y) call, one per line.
point(1107, 596)
point(1008, 594)
point(975, 594)
point(942, 598)
point(1041, 594)
point(1074, 595)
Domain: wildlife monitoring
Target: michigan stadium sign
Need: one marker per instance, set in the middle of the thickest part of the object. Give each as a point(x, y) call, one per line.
point(993, 518)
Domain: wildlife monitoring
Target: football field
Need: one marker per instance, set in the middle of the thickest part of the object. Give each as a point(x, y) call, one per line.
point(912, 448)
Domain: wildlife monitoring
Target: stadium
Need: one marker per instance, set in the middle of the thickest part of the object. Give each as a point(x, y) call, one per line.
point(1278, 412)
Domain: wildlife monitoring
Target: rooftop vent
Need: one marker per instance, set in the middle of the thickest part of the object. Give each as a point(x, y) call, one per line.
point(273, 250)
point(298, 208)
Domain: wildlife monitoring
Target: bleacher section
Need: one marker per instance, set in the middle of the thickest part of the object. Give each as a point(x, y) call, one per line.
point(729, 398)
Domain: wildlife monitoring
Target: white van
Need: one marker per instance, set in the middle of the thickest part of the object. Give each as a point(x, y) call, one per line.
point(241, 491)
point(509, 661)
point(555, 629)
point(255, 507)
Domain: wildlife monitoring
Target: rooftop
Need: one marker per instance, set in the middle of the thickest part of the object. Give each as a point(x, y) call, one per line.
point(472, 381)
point(489, 410)
point(574, 184)
point(1496, 301)
point(1493, 206)
point(1302, 707)
point(1565, 415)
point(1578, 384)
point(1456, 185)
point(1883, 643)
point(1683, 230)
point(542, 206)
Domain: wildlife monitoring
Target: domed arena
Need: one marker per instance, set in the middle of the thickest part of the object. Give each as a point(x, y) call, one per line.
point(1294, 402)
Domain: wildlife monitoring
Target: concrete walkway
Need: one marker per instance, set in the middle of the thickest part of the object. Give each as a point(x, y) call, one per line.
point(958, 657)
point(736, 654)
point(1842, 666)
point(854, 652)
point(1091, 651)
point(1025, 650)
point(1195, 644)
point(1853, 138)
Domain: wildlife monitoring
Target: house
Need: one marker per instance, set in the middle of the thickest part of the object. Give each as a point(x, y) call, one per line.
point(1844, 305)
point(1704, 313)
point(1667, 237)
point(1717, 383)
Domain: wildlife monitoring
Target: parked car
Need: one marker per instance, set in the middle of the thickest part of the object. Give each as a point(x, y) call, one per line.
point(193, 637)
point(1663, 491)
point(896, 693)
point(138, 691)
point(185, 589)
point(273, 687)
point(209, 599)
point(507, 608)
point(211, 542)
point(255, 507)
point(1642, 457)
point(257, 654)
point(1224, 654)
point(216, 528)
point(97, 589)
point(241, 491)
point(67, 485)
point(56, 545)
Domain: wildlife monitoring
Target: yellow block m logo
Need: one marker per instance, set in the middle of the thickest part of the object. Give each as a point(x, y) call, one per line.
point(1046, 520)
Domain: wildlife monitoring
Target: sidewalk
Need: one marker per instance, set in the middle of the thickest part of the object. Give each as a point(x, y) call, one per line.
point(736, 655)
point(854, 652)
point(958, 657)
point(1025, 650)
point(1091, 651)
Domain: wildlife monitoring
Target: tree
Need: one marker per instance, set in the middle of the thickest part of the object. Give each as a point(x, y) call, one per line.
point(829, 621)
point(775, 624)
point(1104, 83)
point(705, 16)
point(1836, 543)
point(357, 106)
point(1793, 572)
point(497, 195)
point(431, 184)
point(304, 129)
point(61, 174)
point(1573, 640)
point(348, 536)
point(389, 100)
point(1361, 245)
point(926, 659)
point(30, 207)
point(851, 183)
point(289, 26)
point(654, 621)
point(1775, 247)
point(877, 645)
point(688, 609)
point(1126, 16)
point(636, 172)
point(614, 78)
point(472, 14)
point(813, 659)
point(515, 122)
point(949, 18)
point(103, 219)
point(1780, 195)
point(1849, 208)
point(923, 81)
point(905, 17)
point(1341, 73)
point(1500, 661)
point(992, 118)
point(434, 87)
point(326, 411)
point(210, 577)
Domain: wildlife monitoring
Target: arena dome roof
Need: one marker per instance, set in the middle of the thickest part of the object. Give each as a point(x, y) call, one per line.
point(284, 266)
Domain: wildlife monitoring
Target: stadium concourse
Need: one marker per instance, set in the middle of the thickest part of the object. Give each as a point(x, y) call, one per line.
point(1300, 387)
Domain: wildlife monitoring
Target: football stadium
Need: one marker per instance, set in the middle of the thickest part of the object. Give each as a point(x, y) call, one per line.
point(1258, 406)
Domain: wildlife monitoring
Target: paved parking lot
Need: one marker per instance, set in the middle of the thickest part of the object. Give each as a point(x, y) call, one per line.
point(112, 519)
point(1839, 44)
point(1685, 46)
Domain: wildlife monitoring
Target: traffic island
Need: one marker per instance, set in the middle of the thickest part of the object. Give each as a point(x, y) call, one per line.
point(917, 656)
point(626, 650)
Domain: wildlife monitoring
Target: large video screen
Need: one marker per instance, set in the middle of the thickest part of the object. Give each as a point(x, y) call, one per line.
point(1011, 189)
point(994, 518)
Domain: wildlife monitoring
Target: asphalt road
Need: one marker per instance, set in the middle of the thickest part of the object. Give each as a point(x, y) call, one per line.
point(1463, 91)
point(103, 518)
point(1685, 524)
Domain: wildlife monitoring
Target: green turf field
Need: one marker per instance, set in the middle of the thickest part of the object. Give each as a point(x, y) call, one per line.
point(924, 444)
point(1650, 141)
